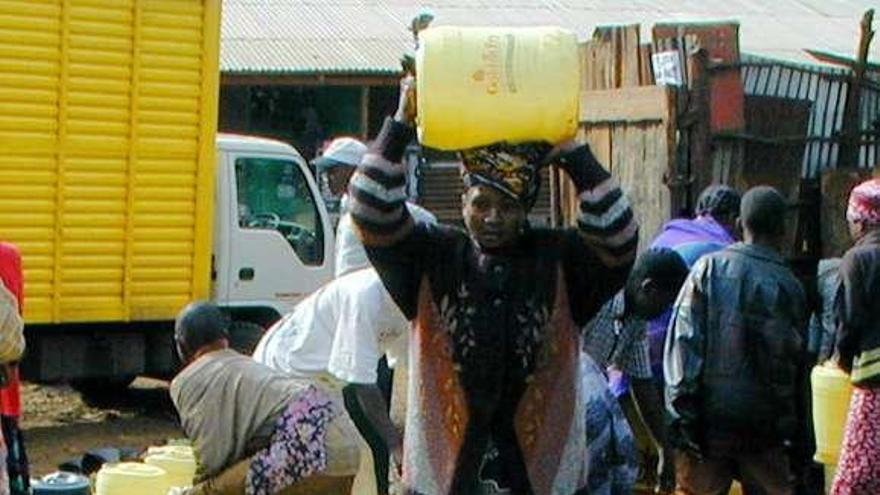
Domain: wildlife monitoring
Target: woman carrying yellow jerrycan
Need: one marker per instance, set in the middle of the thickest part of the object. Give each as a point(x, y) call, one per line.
point(858, 345)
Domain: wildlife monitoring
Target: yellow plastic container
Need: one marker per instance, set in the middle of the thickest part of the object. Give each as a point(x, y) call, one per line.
point(178, 450)
point(478, 86)
point(131, 478)
point(831, 394)
point(177, 460)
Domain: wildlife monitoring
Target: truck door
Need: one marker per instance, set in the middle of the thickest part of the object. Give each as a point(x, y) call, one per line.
point(281, 242)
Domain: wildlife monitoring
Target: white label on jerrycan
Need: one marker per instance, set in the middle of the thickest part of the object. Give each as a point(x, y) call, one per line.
point(478, 86)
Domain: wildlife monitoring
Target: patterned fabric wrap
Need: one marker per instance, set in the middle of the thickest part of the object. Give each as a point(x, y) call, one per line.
point(864, 203)
point(549, 419)
point(510, 168)
point(858, 472)
point(297, 449)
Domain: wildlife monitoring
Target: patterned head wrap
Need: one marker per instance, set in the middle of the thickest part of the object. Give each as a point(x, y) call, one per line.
point(512, 169)
point(718, 200)
point(864, 203)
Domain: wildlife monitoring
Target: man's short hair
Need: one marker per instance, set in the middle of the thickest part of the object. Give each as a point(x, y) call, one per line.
point(763, 211)
point(663, 266)
point(199, 324)
point(718, 201)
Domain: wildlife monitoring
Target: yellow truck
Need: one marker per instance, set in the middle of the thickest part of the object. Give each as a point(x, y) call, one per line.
point(125, 202)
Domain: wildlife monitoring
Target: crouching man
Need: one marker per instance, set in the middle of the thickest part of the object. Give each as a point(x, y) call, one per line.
point(255, 430)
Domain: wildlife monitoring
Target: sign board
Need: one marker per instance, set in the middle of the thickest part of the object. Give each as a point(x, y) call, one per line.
point(668, 68)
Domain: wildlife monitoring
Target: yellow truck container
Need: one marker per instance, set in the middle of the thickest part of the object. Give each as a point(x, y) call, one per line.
point(123, 199)
point(108, 115)
point(107, 125)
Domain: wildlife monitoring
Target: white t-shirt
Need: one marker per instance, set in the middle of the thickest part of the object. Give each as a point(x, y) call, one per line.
point(341, 330)
point(350, 252)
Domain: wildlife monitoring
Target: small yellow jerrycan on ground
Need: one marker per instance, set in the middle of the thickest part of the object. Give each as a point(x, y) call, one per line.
point(178, 461)
point(131, 478)
point(832, 391)
point(478, 86)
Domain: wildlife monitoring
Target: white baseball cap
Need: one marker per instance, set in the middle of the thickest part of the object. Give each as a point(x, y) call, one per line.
point(341, 152)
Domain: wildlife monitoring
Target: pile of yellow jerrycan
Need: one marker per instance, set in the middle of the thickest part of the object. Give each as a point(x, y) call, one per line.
point(164, 470)
point(478, 86)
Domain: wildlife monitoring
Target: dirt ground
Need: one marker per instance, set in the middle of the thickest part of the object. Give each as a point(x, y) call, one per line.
point(59, 425)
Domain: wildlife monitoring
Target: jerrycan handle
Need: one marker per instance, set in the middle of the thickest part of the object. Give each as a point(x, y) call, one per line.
point(418, 24)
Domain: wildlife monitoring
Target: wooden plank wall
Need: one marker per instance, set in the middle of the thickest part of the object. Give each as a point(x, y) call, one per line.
point(629, 124)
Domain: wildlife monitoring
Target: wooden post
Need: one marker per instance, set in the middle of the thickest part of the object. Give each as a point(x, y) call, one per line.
point(365, 112)
point(851, 132)
point(697, 125)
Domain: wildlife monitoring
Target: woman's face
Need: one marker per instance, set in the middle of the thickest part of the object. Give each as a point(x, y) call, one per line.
point(493, 218)
point(856, 230)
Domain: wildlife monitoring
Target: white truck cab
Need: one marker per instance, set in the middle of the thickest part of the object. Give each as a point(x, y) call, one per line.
point(273, 239)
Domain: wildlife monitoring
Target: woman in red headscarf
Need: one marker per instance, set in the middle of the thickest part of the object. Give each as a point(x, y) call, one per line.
point(858, 344)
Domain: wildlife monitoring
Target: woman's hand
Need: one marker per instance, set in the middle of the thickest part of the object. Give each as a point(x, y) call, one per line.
point(559, 151)
point(406, 107)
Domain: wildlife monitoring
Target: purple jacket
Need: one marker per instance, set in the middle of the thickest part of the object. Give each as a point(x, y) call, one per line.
point(691, 239)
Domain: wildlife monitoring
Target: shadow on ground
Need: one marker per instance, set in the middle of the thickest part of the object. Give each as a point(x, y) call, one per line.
point(59, 424)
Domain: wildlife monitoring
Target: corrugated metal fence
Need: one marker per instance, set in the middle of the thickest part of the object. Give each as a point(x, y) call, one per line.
point(826, 90)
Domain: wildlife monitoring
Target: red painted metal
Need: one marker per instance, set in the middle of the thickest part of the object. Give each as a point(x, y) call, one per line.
point(721, 41)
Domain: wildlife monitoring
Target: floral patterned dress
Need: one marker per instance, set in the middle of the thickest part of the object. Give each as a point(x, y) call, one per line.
point(297, 448)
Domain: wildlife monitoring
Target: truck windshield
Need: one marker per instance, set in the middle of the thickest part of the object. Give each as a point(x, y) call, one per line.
point(274, 194)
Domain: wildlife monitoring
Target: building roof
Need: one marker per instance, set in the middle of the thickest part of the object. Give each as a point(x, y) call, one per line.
point(369, 36)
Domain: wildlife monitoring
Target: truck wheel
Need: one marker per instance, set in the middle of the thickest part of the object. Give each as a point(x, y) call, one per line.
point(244, 336)
point(102, 388)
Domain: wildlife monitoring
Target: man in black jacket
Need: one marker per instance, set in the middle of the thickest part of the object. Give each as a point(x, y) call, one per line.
point(732, 358)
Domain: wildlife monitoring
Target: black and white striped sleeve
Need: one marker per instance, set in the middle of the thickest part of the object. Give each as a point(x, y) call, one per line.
point(606, 221)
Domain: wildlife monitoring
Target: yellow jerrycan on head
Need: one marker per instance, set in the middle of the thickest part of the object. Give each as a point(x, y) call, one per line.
point(478, 86)
point(832, 391)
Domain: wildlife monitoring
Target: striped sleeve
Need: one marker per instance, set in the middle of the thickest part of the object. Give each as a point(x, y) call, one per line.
point(606, 221)
point(377, 191)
